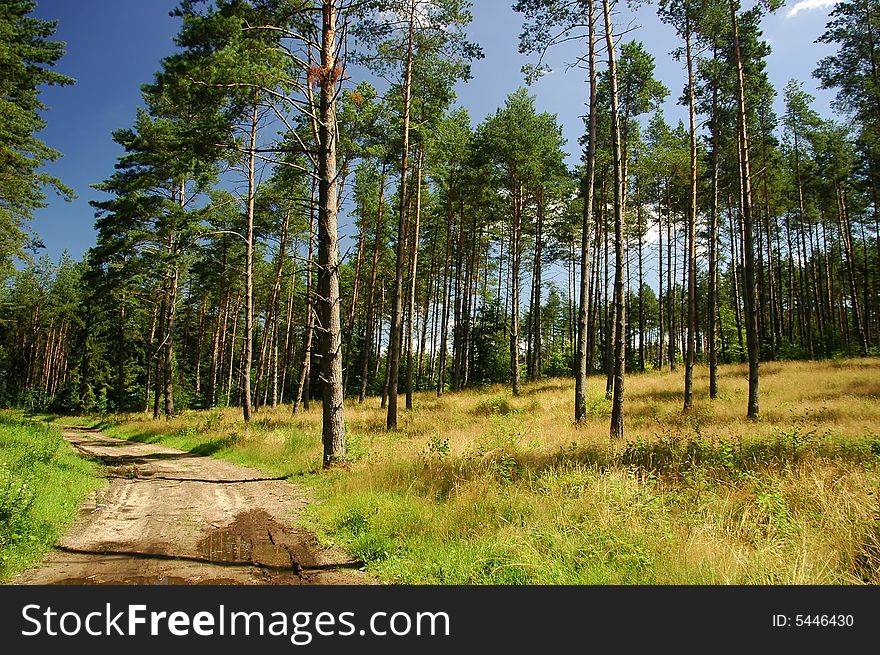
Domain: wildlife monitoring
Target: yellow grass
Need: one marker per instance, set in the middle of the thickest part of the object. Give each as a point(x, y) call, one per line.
point(483, 487)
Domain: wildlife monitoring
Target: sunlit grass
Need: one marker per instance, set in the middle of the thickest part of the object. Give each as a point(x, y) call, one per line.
point(483, 487)
point(42, 483)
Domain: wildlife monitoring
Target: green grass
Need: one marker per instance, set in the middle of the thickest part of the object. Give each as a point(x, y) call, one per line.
point(42, 483)
point(481, 487)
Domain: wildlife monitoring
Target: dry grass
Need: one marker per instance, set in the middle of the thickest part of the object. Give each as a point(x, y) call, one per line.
point(482, 487)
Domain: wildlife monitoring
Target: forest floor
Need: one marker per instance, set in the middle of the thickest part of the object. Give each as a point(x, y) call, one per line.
point(483, 487)
point(171, 517)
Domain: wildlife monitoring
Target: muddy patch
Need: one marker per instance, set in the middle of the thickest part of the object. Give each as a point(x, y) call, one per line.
point(256, 538)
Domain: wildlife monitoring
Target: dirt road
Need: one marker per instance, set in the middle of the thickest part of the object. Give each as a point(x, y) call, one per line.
point(170, 517)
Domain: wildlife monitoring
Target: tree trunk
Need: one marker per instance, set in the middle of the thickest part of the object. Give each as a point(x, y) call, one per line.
point(377, 248)
point(168, 368)
point(411, 311)
point(302, 387)
point(751, 313)
point(691, 232)
point(248, 336)
point(660, 295)
point(580, 392)
point(536, 309)
point(333, 433)
point(713, 255)
point(516, 255)
point(444, 327)
point(640, 235)
point(352, 310)
point(397, 311)
point(620, 313)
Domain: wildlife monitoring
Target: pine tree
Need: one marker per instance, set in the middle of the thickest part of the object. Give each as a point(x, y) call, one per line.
point(26, 55)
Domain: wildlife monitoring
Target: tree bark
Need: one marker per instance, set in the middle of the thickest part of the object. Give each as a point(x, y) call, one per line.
point(377, 247)
point(248, 336)
point(333, 433)
point(414, 278)
point(582, 371)
point(749, 292)
point(691, 231)
point(397, 311)
point(619, 359)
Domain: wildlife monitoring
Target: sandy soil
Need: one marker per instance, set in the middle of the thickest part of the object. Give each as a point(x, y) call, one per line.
point(170, 517)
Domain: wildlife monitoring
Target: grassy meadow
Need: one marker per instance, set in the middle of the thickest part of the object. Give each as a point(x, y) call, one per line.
point(481, 487)
point(42, 483)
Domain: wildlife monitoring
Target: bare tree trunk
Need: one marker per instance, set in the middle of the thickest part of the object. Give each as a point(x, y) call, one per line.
point(536, 305)
point(735, 262)
point(516, 254)
point(660, 296)
point(691, 231)
point(713, 255)
point(333, 433)
point(267, 366)
point(593, 313)
point(232, 351)
point(671, 257)
point(620, 313)
point(289, 342)
point(426, 309)
point(197, 375)
point(748, 237)
point(352, 310)
point(302, 390)
point(640, 235)
point(248, 337)
point(160, 349)
point(120, 359)
point(444, 328)
point(411, 311)
point(581, 373)
point(168, 367)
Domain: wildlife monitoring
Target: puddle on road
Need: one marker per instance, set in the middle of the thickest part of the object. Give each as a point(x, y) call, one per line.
point(256, 538)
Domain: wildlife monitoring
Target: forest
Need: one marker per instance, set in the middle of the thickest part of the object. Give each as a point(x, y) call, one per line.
point(307, 229)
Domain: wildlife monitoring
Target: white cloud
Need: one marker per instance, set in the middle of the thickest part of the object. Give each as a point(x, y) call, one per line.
point(806, 5)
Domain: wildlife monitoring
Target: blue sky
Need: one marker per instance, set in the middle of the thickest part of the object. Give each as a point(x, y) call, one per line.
point(114, 46)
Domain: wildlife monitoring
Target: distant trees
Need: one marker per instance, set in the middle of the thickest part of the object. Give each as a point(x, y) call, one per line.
point(547, 24)
point(526, 148)
point(413, 39)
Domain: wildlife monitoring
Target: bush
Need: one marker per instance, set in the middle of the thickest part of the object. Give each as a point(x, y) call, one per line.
point(495, 406)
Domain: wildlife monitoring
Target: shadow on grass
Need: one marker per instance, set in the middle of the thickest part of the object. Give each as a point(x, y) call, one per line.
point(545, 386)
point(659, 395)
point(213, 446)
point(204, 449)
point(869, 388)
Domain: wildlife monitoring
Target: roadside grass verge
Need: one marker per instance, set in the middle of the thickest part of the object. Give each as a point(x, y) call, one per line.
point(42, 483)
point(270, 444)
point(481, 487)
